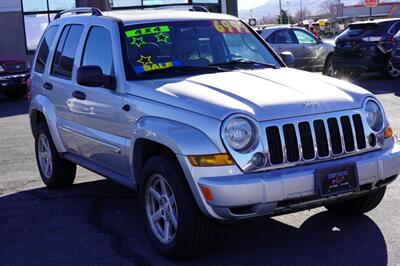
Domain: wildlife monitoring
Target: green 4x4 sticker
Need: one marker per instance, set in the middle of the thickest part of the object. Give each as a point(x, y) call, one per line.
point(147, 31)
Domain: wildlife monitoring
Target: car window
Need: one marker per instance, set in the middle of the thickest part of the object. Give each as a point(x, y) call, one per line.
point(44, 49)
point(242, 47)
point(395, 28)
point(304, 37)
point(98, 50)
point(282, 37)
point(66, 50)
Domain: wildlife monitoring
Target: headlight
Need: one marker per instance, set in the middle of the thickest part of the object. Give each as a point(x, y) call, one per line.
point(2, 69)
point(374, 115)
point(240, 134)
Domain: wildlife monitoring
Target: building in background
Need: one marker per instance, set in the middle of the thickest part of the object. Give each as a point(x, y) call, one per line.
point(22, 22)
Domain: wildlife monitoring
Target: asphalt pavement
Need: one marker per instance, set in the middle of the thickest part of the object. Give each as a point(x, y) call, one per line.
point(96, 222)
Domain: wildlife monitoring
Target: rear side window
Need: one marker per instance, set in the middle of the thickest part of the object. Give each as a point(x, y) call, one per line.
point(282, 37)
point(44, 49)
point(63, 62)
point(395, 28)
point(98, 50)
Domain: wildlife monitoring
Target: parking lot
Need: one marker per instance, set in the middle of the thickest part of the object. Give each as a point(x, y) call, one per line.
point(96, 222)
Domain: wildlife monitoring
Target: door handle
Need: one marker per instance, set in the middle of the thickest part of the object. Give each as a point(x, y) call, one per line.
point(79, 95)
point(48, 86)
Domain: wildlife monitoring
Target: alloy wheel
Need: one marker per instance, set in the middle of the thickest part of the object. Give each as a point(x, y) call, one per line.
point(392, 70)
point(44, 154)
point(161, 209)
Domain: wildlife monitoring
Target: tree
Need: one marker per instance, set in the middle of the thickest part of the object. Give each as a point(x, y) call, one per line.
point(285, 17)
point(325, 7)
point(306, 13)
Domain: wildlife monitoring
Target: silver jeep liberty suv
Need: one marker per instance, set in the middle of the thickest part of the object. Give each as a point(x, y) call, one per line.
point(197, 113)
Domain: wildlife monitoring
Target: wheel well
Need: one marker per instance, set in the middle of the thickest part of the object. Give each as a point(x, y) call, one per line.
point(144, 150)
point(36, 118)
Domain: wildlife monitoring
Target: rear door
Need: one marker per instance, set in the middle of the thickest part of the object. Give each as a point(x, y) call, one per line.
point(59, 85)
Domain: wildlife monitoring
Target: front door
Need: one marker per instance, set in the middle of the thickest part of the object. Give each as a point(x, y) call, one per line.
point(308, 50)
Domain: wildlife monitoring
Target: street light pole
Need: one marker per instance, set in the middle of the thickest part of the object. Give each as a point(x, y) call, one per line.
point(280, 12)
point(301, 10)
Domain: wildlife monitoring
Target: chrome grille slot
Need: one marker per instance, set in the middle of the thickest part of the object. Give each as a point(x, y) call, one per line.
point(292, 146)
point(360, 134)
point(291, 142)
point(275, 145)
point(322, 138)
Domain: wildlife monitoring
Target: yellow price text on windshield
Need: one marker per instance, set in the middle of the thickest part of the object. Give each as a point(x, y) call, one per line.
point(230, 27)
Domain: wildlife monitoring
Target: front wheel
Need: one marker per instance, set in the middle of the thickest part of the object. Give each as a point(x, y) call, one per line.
point(329, 69)
point(359, 205)
point(174, 223)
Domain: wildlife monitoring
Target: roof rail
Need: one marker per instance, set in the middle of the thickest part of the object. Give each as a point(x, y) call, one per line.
point(80, 10)
point(195, 8)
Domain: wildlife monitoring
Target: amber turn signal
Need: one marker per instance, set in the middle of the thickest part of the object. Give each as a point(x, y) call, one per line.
point(389, 132)
point(210, 160)
point(207, 193)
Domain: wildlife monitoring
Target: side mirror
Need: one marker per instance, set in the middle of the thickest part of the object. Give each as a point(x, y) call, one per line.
point(90, 76)
point(319, 40)
point(287, 57)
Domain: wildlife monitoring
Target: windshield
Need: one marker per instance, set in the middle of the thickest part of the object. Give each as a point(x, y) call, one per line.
point(161, 50)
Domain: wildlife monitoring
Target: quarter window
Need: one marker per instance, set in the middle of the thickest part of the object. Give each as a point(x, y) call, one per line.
point(66, 50)
point(98, 50)
point(304, 37)
point(44, 49)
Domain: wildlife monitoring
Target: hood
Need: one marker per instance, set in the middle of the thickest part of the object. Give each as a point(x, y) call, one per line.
point(266, 94)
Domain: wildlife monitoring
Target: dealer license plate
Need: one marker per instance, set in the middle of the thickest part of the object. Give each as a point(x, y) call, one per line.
point(337, 180)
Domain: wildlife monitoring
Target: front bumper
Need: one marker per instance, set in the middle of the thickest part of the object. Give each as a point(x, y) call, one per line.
point(285, 190)
point(12, 81)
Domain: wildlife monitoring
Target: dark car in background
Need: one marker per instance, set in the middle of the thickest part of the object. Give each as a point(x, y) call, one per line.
point(14, 75)
point(396, 51)
point(367, 47)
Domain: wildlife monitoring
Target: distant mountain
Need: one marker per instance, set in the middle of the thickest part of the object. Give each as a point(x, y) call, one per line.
point(271, 8)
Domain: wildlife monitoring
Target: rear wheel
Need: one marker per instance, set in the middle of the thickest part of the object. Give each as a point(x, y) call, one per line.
point(358, 205)
point(174, 223)
point(55, 172)
point(329, 69)
point(390, 71)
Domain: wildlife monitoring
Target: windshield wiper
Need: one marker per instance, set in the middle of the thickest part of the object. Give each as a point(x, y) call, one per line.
point(186, 69)
point(245, 62)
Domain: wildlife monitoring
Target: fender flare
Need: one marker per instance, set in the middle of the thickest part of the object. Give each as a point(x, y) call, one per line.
point(42, 104)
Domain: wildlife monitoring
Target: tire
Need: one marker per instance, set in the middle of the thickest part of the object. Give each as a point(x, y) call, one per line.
point(329, 69)
point(348, 75)
point(15, 94)
point(359, 205)
point(193, 233)
point(390, 71)
point(55, 172)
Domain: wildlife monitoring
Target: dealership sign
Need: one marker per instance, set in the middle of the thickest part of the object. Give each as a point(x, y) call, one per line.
point(371, 3)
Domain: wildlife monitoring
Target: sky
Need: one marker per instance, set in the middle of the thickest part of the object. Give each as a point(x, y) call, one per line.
point(249, 4)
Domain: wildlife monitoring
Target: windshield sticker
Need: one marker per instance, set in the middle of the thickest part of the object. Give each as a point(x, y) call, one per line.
point(147, 31)
point(138, 42)
point(230, 27)
point(148, 65)
point(162, 37)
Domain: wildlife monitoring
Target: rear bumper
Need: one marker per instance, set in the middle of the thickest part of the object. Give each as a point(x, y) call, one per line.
point(364, 64)
point(287, 190)
point(11, 81)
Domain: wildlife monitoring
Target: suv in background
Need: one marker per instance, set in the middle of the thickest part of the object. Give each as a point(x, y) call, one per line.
point(310, 52)
point(367, 47)
point(196, 112)
point(396, 51)
point(14, 75)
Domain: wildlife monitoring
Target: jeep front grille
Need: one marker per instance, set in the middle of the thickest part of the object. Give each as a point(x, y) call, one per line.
point(316, 139)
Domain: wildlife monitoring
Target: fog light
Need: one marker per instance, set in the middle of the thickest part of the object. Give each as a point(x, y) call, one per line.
point(210, 160)
point(258, 159)
point(389, 132)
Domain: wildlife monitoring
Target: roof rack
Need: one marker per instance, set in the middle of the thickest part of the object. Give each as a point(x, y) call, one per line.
point(80, 10)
